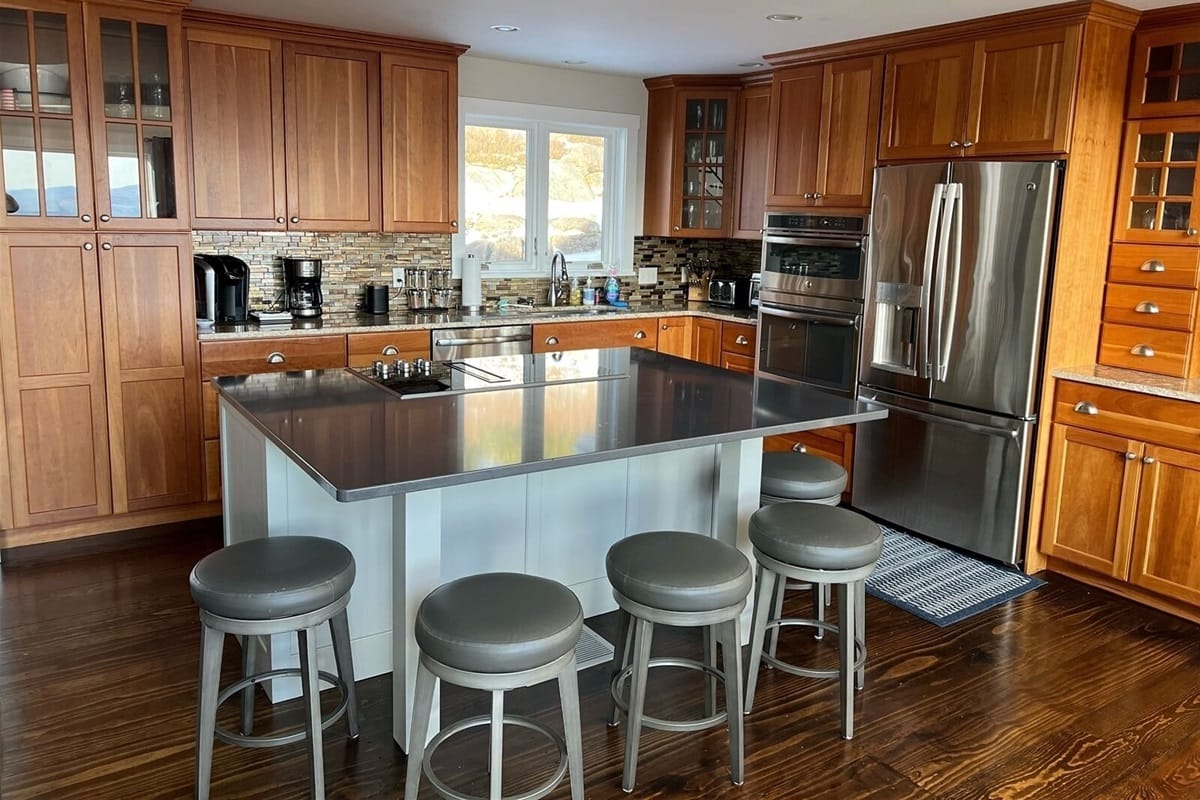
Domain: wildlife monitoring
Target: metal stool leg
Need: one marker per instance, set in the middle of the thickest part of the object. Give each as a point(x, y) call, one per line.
point(419, 732)
point(496, 754)
point(568, 698)
point(710, 683)
point(339, 627)
point(731, 659)
point(312, 708)
point(249, 646)
point(212, 644)
point(847, 595)
point(762, 604)
point(777, 613)
point(821, 594)
point(622, 650)
point(643, 632)
point(860, 630)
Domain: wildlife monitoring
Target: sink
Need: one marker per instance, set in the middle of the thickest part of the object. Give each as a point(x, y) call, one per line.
point(549, 312)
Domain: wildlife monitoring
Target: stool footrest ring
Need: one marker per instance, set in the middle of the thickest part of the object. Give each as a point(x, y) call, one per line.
point(668, 724)
point(277, 740)
point(806, 672)
point(483, 721)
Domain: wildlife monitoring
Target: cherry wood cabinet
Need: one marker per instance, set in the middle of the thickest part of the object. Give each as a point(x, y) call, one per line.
point(824, 134)
point(235, 90)
point(675, 336)
point(1165, 79)
point(752, 144)
point(331, 126)
point(1166, 530)
point(551, 337)
point(364, 349)
point(1009, 94)
point(420, 143)
point(706, 340)
point(1160, 182)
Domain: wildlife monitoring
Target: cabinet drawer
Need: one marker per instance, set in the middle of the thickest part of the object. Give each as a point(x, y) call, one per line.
point(1147, 349)
point(737, 362)
point(363, 349)
point(248, 356)
point(738, 338)
point(555, 336)
point(1154, 265)
point(1132, 415)
point(1150, 306)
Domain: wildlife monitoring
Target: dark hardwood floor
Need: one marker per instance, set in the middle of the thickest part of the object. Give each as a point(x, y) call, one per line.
point(1066, 692)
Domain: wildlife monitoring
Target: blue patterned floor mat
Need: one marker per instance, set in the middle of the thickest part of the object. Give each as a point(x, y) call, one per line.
point(939, 585)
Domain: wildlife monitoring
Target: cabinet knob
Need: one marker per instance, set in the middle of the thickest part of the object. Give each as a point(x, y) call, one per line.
point(106, 246)
point(675, 228)
point(1152, 265)
point(799, 448)
point(817, 195)
point(664, 327)
point(954, 145)
point(281, 220)
point(1149, 460)
point(551, 340)
point(808, 195)
point(1084, 407)
point(640, 335)
point(968, 143)
point(1146, 307)
point(105, 217)
point(295, 220)
point(276, 358)
point(88, 246)
point(1131, 456)
point(1143, 350)
point(85, 218)
point(389, 350)
point(1192, 231)
point(453, 223)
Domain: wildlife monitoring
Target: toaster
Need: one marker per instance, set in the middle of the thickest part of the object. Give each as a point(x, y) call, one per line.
point(729, 292)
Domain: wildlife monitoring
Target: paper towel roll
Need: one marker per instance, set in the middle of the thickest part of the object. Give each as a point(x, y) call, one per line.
point(472, 292)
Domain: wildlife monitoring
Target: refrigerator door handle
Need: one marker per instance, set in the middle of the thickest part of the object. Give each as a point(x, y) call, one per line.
point(931, 239)
point(946, 316)
point(975, 427)
point(933, 369)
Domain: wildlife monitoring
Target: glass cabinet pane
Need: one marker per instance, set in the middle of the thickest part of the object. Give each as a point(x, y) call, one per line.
point(715, 151)
point(1184, 146)
point(1189, 87)
point(153, 72)
point(1176, 216)
point(1142, 216)
point(717, 114)
point(1191, 56)
point(694, 115)
point(15, 83)
point(20, 166)
point(714, 182)
point(691, 182)
point(1161, 58)
point(116, 58)
point(53, 72)
point(1152, 146)
point(124, 180)
point(712, 214)
point(1146, 180)
point(690, 217)
point(693, 148)
point(58, 168)
point(1180, 181)
point(158, 153)
point(1158, 89)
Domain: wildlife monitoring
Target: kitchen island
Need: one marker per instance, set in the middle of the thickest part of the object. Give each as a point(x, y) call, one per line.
point(539, 472)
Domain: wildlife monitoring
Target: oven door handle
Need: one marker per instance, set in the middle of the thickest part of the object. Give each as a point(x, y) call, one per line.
point(805, 316)
point(856, 242)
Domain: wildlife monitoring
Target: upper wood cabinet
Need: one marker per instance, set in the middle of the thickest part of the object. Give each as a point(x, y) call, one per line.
point(235, 89)
point(331, 124)
point(1160, 182)
point(136, 83)
point(753, 134)
point(690, 142)
point(420, 144)
point(1009, 94)
point(1165, 80)
point(824, 134)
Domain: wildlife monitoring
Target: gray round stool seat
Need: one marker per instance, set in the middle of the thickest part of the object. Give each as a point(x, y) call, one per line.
point(499, 622)
point(801, 476)
point(816, 536)
point(676, 571)
point(272, 578)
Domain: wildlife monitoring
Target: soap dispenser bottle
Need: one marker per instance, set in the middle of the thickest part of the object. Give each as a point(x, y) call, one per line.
point(612, 289)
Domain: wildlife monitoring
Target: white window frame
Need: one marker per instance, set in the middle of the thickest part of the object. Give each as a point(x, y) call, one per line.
point(620, 132)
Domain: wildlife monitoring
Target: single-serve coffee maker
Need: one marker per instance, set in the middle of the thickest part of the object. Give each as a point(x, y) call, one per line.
point(302, 286)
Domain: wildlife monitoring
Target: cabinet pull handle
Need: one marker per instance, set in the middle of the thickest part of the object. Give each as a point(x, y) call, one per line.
point(1143, 350)
point(1131, 456)
point(276, 358)
point(954, 145)
point(106, 246)
point(295, 220)
point(105, 217)
point(799, 447)
point(389, 350)
point(1084, 407)
point(1146, 307)
point(551, 340)
point(88, 246)
point(1149, 460)
point(1152, 265)
point(86, 218)
point(741, 340)
point(640, 335)
point(281, 220)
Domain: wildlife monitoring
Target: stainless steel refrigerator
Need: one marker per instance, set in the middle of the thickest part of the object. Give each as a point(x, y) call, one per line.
point(960, 260)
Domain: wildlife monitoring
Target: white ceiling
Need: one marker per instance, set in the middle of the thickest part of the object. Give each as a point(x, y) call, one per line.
point(639, 38)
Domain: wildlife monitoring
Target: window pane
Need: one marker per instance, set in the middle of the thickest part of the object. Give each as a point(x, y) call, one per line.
point(495, 163)
point(576, 195)
point(20, 164)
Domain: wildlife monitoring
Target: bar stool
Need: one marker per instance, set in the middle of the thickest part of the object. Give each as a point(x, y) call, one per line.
point(800, 476)
point(497, 631)
point(815, 544)
point(686, 580)
point(259, 588)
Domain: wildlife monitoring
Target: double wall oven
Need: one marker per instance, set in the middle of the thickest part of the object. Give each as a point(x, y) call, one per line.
point(811, 301)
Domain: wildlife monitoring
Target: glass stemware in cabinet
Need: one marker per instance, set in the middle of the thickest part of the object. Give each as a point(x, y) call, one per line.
point(154, 72)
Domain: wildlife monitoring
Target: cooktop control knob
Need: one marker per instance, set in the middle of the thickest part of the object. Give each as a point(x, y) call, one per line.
point(380, 370)
point(403, 368)
point(421, 366)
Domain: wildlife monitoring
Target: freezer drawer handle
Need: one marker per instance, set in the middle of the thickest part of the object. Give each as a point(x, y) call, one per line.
point(1143, 350)
point(481, 340)
point(1146, 307)
point(1084, 407)
point(1152, 265)
point(974, 427)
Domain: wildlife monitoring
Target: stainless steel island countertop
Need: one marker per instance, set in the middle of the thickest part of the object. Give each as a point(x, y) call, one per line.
point(360, 441)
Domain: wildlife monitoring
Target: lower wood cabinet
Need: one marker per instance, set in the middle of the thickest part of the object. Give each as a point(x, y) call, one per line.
point(552, 337)
point(835, 444)
point(364, 349)
point(706, 341)
point(675, 336)
point(1122, 494)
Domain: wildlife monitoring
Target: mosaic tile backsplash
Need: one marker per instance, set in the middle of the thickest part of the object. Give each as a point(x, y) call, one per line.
point(351, 259)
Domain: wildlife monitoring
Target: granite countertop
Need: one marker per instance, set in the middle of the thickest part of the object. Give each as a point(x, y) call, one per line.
point(1134, 381)
point(354, 322)
point(358, 440)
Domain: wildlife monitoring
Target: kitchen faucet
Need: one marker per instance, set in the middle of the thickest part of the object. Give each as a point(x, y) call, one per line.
point(560, 282)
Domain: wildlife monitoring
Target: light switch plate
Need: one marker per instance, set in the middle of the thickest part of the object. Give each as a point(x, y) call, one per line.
point(648, 276)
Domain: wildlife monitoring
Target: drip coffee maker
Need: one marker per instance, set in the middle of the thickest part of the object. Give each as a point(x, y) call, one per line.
point(302, 286)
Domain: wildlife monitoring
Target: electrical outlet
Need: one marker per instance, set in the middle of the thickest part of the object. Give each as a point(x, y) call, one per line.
point(397, 277)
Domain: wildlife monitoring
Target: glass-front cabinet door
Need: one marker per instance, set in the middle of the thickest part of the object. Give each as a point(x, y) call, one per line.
point(705, 160)
point(136, 67)
point(1161, 182)
point(45, 164)
point(1166, 72)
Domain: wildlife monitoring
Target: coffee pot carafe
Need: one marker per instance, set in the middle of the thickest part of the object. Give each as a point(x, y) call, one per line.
point(302, 286)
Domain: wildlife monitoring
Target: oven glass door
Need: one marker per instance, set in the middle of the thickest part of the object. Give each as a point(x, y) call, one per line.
point(813, 347)
point(816, 266)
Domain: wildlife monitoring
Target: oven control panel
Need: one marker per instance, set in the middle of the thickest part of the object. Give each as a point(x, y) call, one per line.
point(788, 223)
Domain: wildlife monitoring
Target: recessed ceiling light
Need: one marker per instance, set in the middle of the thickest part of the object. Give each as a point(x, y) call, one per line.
point(505, 28)
point(574, 61)
point(782, 17)
point(752, 64)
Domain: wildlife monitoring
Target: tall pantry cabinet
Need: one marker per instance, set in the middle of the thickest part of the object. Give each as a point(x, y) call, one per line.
point(97, 350)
